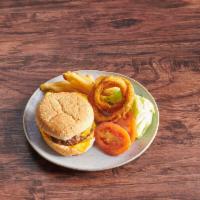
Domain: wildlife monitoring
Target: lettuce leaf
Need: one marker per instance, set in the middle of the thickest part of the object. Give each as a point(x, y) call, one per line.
point(143, 110)
point(114, 97)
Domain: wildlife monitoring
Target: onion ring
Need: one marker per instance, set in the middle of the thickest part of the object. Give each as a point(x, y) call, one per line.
point(103, 110)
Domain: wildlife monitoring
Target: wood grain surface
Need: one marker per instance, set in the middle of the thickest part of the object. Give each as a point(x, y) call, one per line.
point(156, 42)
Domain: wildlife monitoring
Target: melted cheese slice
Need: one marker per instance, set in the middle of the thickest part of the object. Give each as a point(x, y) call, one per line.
point(84, 145)
point(87, 131)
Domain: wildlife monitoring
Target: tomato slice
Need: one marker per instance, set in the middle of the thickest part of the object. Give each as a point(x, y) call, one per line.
point(129, 123)
point(112, 138)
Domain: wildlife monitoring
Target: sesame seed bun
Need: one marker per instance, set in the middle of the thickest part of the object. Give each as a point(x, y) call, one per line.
point(64, 115)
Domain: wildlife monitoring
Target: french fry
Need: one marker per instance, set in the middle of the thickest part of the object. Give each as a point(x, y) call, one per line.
point(61, 86)
point(90, 78)
point(79, 82)
point(74, 82)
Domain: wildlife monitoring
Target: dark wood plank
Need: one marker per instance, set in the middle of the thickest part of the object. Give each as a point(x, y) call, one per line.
point(154, 42)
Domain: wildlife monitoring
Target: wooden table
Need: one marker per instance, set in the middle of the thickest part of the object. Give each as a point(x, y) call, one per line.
point(154, 42)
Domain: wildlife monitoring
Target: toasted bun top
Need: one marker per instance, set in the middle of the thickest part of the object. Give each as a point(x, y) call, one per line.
point(64, 115)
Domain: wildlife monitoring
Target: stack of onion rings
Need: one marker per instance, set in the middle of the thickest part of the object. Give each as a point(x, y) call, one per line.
point(103, 110)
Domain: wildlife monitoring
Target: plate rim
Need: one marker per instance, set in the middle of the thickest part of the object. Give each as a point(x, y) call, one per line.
point(97, 169)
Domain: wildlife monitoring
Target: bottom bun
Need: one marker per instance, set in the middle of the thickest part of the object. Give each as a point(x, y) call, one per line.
point(77, 149)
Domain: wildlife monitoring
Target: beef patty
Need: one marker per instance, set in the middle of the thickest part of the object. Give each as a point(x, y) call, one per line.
point(74, 140)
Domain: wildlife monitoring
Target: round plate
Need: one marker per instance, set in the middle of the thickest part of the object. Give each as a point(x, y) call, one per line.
point(94, 159)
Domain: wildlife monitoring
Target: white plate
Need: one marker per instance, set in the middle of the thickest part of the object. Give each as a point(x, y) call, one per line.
point(94, 159)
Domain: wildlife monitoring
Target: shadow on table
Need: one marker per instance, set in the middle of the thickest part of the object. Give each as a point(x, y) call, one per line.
point(47, 166)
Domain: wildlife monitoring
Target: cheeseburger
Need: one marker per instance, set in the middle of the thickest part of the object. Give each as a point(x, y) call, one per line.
point(66, 122)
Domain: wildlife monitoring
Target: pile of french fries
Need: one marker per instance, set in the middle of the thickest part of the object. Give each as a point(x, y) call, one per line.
point(73, 82)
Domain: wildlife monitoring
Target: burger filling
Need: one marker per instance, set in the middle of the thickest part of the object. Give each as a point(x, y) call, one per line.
point(76, 139)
